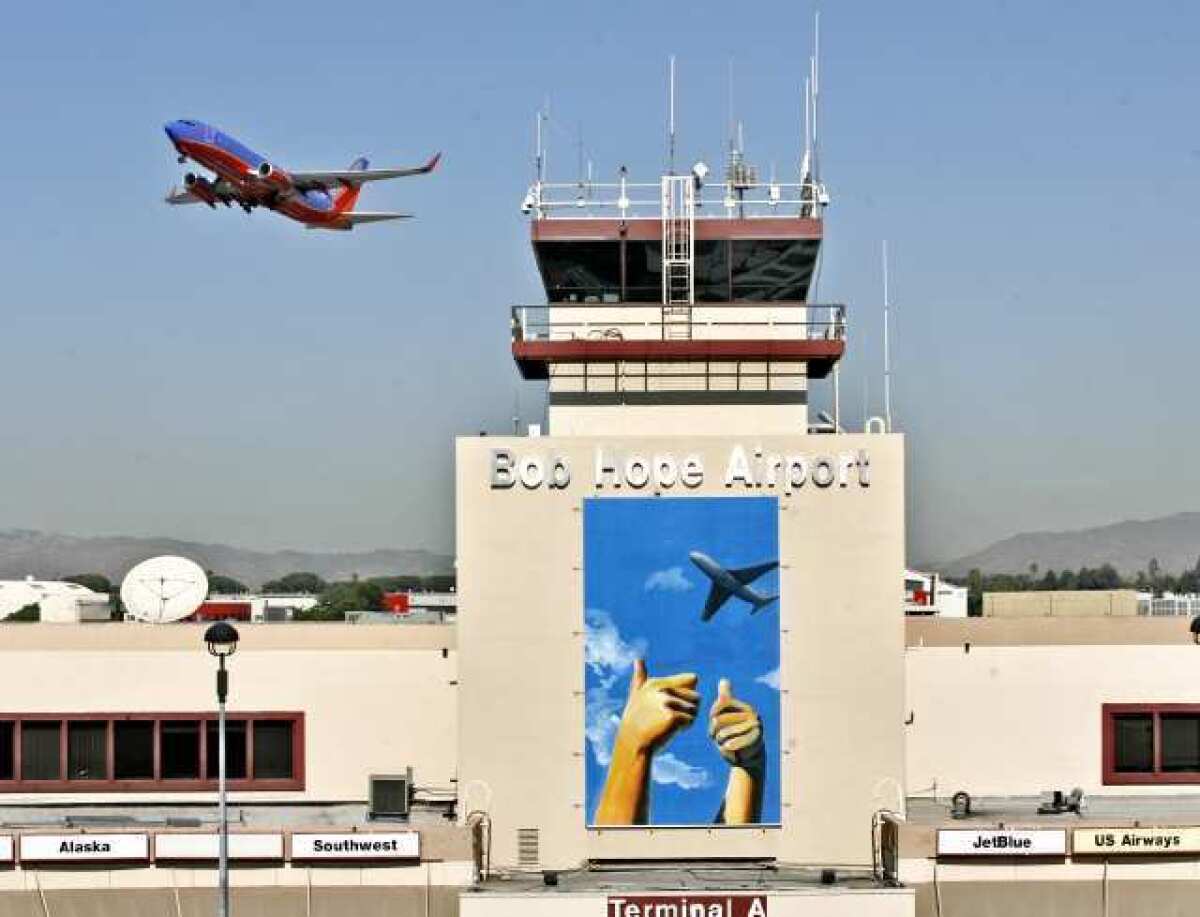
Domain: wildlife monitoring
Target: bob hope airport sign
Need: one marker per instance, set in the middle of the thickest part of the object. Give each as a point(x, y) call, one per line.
point(687, 906)
point(1039, 842)
point(747, 469)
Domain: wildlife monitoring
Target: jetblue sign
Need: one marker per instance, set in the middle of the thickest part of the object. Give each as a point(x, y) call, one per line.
point(1000, 843)
point(746, 468)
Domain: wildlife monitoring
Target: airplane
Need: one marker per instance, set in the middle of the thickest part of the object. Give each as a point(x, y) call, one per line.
point(319, 200)
point(726, 583)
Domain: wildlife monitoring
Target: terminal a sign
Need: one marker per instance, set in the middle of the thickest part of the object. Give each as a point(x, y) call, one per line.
point(85, 848)
point(1139, 841)
point(688, 906)
point(366, 845)
point(744, 469)
point(998, 843)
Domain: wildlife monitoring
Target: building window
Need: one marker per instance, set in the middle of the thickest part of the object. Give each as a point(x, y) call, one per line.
point(84, 753)
point(1151, 743)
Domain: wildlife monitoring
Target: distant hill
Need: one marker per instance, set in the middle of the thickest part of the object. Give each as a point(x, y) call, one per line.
point(48, 556)
point(1128, 546)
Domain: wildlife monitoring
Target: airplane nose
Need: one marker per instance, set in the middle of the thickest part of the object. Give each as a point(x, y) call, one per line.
point(169, 127)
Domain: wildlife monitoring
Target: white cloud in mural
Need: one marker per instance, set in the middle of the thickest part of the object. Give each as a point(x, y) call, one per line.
point(667, 769)
point(770, 679)
point(669, 580)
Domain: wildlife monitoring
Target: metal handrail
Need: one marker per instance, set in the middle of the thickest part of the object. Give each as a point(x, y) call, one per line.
point(629, 200)
point(541, 323)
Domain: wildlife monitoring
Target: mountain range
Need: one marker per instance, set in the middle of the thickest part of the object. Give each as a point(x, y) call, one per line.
point(48, 556)
point(1174, 541)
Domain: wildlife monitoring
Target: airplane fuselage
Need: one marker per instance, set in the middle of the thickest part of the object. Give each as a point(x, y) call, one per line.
point(724, 579)
point(241, 167)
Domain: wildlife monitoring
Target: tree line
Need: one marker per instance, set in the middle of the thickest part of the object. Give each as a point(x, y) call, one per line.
point(1152, 579)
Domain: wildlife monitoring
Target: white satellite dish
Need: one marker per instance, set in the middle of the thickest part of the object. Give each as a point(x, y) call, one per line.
point(164, 589)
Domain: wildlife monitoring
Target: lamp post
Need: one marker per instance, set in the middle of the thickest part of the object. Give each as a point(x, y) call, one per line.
point(222, 639)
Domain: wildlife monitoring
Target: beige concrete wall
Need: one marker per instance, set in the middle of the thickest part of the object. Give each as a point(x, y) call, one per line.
point(1063, 604)
point(1017, 720)
point(376, 699)
point(1112, 631)
point(521, 635)
point(619, 420)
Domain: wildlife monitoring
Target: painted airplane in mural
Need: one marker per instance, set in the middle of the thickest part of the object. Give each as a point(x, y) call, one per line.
point(319, 200)
point(726, 583)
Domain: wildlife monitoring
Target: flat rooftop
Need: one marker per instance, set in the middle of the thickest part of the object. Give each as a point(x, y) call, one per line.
point(680, 876)
point(1108, 630)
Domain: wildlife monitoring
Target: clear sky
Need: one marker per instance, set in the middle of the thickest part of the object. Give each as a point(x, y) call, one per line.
point(239, 379)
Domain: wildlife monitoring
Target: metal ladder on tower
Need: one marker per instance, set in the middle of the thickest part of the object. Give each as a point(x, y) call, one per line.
point(678, 256)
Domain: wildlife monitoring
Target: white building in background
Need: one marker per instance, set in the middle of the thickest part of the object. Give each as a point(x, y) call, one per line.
point(1169, 603)
point(59, 602)
point(929, 594)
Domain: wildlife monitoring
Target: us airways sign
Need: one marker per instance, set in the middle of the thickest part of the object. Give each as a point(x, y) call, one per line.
point(687, 906)
point(745, 468)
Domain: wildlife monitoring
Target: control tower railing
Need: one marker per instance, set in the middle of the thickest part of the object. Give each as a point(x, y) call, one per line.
point(709, 321)
point(643, 200)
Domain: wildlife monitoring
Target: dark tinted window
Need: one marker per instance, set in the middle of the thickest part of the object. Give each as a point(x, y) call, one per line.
point(772, 270)
point(1133, 739)
point(235, 750)
point(133, 750)
point(87, 750)
point(180, 749)
point(643, 271)
point(1180, 742)
point(712, 271)
point(581, 271)
point(39, 751)
point(8, 731)
point(272, 749)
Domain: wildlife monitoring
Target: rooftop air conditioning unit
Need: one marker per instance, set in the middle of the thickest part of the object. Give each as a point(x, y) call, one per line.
point(390, 795)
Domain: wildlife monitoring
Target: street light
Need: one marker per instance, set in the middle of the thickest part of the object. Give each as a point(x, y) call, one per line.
point(222, 640)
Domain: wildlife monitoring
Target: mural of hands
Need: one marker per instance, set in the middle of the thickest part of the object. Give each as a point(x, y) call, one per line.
point(737, 731)
point(657, 707)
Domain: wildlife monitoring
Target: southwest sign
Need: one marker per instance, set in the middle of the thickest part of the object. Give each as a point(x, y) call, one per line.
point(1039, 842)
point(1136, 841)
point(363, 845)
point(687, 906)
point(85, 848)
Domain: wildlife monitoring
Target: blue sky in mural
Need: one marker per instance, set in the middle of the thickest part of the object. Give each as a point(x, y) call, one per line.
point(643, 598)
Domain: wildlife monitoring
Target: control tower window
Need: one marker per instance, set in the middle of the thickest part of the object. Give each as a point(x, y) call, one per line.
point(643, 271)
point(711, 276)
point(581, 271)
point(772, 270)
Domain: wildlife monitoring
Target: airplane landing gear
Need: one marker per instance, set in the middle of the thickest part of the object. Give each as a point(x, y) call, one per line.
point(181, 159)
point(246, 207)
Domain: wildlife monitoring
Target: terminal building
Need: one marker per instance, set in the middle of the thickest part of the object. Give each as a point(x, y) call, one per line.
point(678, 682)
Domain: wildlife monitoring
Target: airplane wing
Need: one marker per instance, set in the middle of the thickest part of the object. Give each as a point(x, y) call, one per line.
point(747, 575)
point(349, 220)
point(223, 192)
point(306, 181)
point(716, 598)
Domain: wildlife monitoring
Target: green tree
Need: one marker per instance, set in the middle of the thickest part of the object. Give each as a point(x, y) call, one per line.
point(975, 593)
point(304, 583)
point(29, 613)
point(224, 585)
point(97, 582)
point(339, 598)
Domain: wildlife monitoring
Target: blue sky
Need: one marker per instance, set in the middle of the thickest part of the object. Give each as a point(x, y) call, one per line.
point(230, 378)
point(643, 598)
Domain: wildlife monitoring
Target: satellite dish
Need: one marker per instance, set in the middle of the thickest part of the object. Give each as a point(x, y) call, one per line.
point(164, 589)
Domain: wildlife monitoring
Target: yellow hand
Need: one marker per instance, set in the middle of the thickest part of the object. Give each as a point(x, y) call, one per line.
point(737, 731)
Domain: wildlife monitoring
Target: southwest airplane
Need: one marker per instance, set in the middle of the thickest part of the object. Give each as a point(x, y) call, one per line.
point(319, 200)
point(726, 583)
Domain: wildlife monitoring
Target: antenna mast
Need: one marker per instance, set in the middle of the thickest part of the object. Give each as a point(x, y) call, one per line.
point(671, 118)
point(887, 356)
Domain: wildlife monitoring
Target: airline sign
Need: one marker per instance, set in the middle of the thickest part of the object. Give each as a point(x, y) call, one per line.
point(1135, 841)
point(1043, 842)
point(363, 845)
point(207, 846)
point(85, 848)
point(687, 906)
point(6, 848)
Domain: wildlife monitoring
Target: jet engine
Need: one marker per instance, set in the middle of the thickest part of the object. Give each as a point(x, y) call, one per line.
point(201, 187)
point(276, 178)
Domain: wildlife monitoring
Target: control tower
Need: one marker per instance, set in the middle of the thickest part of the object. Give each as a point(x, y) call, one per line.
point(671, 302)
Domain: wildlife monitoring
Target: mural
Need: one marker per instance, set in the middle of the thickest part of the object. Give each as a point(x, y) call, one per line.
point(682, 660)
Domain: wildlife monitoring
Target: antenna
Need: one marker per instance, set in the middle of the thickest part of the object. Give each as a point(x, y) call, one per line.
point(537, 159)
point(887, 356)
point(671, 118)
point(731, 108)
point(814, 77)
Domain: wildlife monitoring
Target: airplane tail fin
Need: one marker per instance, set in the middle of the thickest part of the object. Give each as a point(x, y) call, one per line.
point(346, 199)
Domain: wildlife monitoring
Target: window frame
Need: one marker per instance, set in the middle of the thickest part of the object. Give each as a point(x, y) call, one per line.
point(157, 783)
point(1156, 776)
